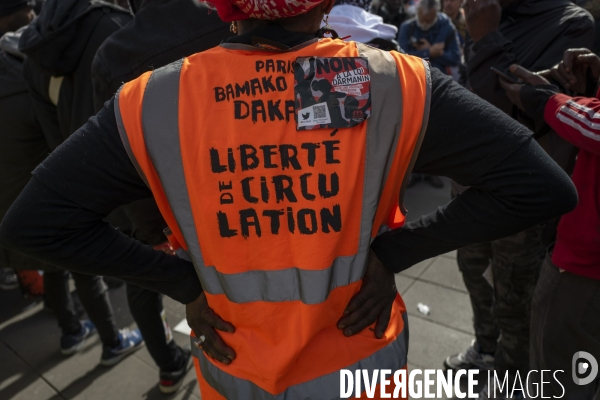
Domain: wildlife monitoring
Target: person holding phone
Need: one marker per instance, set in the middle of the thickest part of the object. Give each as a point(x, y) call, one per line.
point(568, 291)
point(431, 35)
point(534, 34)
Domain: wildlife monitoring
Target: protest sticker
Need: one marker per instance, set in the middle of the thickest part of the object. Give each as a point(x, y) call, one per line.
point(332, 92)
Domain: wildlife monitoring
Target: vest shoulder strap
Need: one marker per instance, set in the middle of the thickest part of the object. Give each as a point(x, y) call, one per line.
point(405, 113)
point(160, 124)
point(146, 111)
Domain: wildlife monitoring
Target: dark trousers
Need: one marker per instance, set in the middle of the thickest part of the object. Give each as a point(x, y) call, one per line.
point(94, 298)
point(502, 312)
point(146, 307)
point(142, 221)
point(565, 319)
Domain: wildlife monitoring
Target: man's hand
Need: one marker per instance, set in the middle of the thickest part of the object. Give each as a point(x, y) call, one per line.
point(482, 17)
point(532, 78)
point(571, 72)
point(373, 302)
point(422, 44)
point(436, 50)
point(513, 90)
point(203, 321)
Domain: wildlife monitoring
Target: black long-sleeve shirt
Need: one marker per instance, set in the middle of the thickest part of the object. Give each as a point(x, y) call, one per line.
point(514, 184)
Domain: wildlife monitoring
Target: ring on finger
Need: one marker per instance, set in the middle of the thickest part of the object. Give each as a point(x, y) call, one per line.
point(198, 342)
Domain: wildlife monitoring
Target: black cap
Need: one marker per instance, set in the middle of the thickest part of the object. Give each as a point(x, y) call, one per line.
point(8, 7)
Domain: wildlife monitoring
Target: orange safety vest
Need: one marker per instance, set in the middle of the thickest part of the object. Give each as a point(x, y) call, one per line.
point(277, 222)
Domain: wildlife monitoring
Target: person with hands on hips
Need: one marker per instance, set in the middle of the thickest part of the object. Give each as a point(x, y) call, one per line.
point(292, 221)
point(431, 35)
point(566, 303)
point(372, 304)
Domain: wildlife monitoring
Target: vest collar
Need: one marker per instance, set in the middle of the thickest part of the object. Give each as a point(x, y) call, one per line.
point(270, 37)
point(249, 47)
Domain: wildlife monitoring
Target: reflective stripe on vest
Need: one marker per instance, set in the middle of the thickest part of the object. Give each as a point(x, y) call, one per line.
point(325, 387)
point(296, 301)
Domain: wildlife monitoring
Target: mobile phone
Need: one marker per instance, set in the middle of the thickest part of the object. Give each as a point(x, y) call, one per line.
point(509, 76)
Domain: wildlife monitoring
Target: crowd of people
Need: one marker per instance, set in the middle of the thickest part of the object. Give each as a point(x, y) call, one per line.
point(249, 159)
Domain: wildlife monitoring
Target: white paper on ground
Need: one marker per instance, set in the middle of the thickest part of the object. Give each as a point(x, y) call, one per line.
point(183, 327)
point(423, 308)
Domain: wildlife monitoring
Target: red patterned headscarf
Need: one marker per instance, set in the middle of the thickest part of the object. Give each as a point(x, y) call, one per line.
point(236, 10)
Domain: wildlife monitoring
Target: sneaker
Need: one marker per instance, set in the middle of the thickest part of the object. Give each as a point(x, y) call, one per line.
point(170, 381)
point(471, 358)
point(129, 341)
point(71, 344)
point(8, 279)
point(484, 395)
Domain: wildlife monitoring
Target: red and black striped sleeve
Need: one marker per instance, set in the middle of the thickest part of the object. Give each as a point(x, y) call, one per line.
point(575, 119)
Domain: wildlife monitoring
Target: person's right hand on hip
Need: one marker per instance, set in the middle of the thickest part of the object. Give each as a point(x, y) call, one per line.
point(373, 302)
point(205, 323)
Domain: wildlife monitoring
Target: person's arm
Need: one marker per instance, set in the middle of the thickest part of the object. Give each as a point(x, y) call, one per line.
point(147, 222)
point(514, 183)
point(419, 53)
point(495, 50)
point(575, 119)
point(81, 182)
point(406, 45)
point(451, 55)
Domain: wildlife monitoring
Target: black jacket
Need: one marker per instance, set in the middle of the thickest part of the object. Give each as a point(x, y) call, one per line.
point(22, 144)
point(534, 34)
point(144, 45)
point(61, 43)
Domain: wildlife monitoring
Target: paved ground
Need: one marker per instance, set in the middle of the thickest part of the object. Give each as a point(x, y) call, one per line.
point(31, 367)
